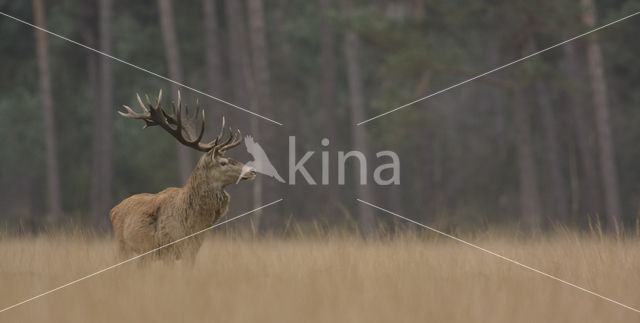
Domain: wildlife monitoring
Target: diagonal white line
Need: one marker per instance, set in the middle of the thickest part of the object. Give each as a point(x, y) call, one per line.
point(140, 68)
point(502, 257)
point(134, 258)
point(497, 69)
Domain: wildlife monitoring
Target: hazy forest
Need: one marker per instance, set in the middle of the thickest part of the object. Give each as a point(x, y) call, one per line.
point(547, 141)
point(537, 161)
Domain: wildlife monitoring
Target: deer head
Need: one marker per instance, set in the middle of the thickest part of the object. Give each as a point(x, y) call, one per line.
point(216, 167)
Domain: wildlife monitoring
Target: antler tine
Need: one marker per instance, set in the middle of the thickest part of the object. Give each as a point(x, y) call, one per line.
point(145, 115)
point(192, 117)
point(177, 112)
point(219, 137)
point(149, 102)
point(237, 139)
point(219, 147)
point(144, 108)
point(183, 128)
point(214, 142)
point(187, 116)
point(159, 98)
point(197, 112)
point(201, 133)
point(132, 114)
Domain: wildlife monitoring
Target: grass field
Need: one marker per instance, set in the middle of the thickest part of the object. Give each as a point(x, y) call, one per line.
point(325, 279)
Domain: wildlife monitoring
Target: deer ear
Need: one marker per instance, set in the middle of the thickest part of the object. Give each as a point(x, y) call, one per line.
point(210, 154)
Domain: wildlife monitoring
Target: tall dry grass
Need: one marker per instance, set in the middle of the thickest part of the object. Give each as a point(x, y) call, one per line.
point(331, 278)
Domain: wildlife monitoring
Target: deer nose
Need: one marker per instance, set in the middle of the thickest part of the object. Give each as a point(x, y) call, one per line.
point(253, 171)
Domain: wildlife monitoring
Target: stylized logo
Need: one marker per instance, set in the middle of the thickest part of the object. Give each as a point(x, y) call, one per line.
point(262, 164)
point(260, 160)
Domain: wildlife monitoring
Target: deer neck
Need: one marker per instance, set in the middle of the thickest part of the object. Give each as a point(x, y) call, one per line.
point(204, 197)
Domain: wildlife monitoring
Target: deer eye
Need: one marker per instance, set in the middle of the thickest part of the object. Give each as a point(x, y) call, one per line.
point(223, 163)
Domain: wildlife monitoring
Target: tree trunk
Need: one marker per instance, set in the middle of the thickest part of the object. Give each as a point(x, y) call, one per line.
point(216, 71)
point(495, 99)
point(238, 55)
point(529, 198)
point(51, 156)
point(558, 210)
point(559, 203)
point(213, 45)
point(242, 80)
point(102, 147)
point(581, 126)
point(172, 50)
point(427, 176)
point(424, 154)
point(89, 17)
point(595, 66)
point(262, 81)
point(260, 55)
point(366, 216)
point(329, 81)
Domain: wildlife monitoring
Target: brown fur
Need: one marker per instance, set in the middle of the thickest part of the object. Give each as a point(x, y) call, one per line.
point(143, 222)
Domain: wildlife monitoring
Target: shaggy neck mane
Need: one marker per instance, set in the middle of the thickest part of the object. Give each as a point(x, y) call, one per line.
point(204, 198)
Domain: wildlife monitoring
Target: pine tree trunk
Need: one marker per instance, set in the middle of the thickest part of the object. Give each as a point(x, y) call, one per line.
point(213, 46)
point(495, 98)
point(260, 55)
point(559, 202)
point(102, 146)
point(238, 56)
point(262, 83)
point(529, 197)
point(581, 125)
point(366, 215)
point(595, 66)
point(172, 51)
point(427, 188)
point(558, 205)
point(329, 84)
point(216, 71)
point(51, 156)
point(242, 80)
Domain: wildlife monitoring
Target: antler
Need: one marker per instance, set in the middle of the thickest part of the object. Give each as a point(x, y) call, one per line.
point(174, 124)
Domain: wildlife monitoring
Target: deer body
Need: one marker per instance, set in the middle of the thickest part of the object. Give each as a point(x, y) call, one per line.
point(144, 222)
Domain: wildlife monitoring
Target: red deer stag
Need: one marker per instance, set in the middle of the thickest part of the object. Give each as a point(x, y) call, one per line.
point(143, 222)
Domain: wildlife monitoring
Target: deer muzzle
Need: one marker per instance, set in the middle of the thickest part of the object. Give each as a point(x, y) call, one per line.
point(248, 173)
